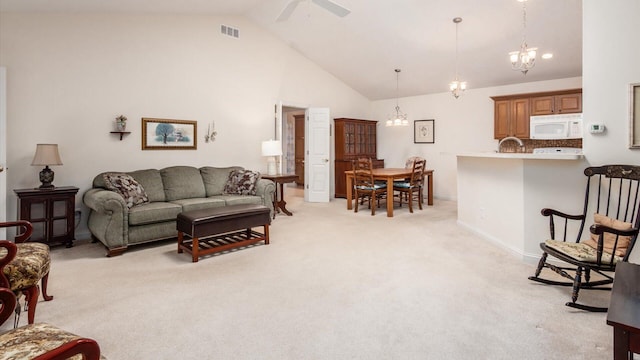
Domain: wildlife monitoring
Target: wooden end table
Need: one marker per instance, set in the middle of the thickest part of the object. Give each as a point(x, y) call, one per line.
point(624, 311)
point(278, 201)
point(51, 212)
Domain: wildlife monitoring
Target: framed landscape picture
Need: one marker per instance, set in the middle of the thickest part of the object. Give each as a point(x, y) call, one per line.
point(634, 116)
point(167, 134)
point(423, 131)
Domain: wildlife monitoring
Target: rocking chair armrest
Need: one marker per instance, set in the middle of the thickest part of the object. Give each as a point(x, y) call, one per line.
point(89, 348)
point(599, 229)
point(549, 212)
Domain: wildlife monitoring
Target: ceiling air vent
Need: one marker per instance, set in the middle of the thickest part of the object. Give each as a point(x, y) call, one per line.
point(228, 30)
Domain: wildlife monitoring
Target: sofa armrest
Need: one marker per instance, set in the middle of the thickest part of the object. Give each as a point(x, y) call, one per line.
point(266, 189)
point(108, 217)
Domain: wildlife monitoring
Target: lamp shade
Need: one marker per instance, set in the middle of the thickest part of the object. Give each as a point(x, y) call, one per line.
point(271, 148)
point(46, 154)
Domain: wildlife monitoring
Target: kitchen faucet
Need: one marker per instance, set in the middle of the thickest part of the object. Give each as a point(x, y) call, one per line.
point(512, 138)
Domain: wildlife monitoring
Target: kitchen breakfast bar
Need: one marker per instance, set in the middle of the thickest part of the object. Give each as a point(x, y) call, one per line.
point(500, 195)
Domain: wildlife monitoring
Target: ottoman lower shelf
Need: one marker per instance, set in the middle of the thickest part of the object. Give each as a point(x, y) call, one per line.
point(219, 243)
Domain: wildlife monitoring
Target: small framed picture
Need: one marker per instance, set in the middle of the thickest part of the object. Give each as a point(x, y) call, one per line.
point(634, 116)
point(167, 134)
point(423, 131)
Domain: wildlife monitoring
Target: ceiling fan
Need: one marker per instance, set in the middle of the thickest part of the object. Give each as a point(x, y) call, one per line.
point(326, 4)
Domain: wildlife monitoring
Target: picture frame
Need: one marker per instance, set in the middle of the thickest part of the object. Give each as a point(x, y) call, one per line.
point(169, 134)
point(634, 116)
point(423, 131)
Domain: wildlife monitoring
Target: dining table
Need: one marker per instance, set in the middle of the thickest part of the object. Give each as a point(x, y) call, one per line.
point(389, 175)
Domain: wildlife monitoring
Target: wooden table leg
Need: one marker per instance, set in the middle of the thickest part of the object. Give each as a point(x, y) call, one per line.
point(430, 189)
point(282, 205)
point(349, 192)
point(180, 239)
point(194, 249)
point(390, 197)
point(620, 344)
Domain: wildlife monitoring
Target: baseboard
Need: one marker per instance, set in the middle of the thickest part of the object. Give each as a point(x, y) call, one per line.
point(526, 257)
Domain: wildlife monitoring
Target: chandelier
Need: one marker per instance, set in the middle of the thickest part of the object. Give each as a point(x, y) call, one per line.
point(457, 87)
point(525, 58)
point(400, 119)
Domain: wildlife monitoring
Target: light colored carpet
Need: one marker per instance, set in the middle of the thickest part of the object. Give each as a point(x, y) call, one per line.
point(332, 284)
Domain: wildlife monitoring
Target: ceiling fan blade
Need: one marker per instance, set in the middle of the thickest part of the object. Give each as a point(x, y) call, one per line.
point(333, 7)
point(288, 10)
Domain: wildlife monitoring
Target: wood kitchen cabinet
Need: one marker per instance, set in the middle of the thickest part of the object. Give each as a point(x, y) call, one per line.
point(512, 112)
point(511, 118)
point(51, 212)
point(557, 104)
point(354, 138)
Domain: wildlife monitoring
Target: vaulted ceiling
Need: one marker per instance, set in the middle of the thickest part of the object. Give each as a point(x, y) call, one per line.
point(417, 36)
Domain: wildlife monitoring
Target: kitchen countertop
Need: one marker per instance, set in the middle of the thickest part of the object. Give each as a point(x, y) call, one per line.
point(524, 156)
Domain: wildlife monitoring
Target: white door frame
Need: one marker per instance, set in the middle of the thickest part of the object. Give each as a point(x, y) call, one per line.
point(3, 148)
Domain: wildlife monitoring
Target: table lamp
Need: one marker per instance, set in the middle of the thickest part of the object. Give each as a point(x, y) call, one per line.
point(46, 154)
point(272, 149)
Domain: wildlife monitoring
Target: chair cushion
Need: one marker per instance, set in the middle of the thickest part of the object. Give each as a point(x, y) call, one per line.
point(580, 251)
point(242, 182)
point(131, 191)
point(30, 341)
point(401, 184)
point(30, 264)
point(375, 186)
point(610, 239)
point(153, 213)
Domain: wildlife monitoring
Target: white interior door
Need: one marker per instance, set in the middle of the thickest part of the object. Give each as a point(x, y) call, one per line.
point(3, 149)
point(317, 154)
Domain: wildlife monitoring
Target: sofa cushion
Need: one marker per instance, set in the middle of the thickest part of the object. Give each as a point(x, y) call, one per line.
point(242, 182)
point(240, 199)
point(182, 182)
point(199, 203)
point(151, 180)
point(153, 213)
point(216, 178)
point(124, 184)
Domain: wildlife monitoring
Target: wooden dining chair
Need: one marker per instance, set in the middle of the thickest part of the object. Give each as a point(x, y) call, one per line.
point(22, 265)
point(364, 187)
point(41, 341)
point(413, 187)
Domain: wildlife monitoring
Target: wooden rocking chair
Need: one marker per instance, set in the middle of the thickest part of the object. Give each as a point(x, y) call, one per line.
point(612, 201)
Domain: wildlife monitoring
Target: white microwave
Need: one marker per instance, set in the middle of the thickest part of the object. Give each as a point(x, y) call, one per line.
point(552, 127)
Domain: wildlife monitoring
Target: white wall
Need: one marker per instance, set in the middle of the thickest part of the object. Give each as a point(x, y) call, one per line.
point(611, 50)
point(461, 125)
point(70, 75)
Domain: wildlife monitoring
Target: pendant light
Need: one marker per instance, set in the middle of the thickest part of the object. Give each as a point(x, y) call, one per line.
point(399, 119)
point(525, 58)
point(457, 87)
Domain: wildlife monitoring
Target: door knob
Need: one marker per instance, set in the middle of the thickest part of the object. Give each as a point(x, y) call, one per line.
point(326, 160)
point(1, 169)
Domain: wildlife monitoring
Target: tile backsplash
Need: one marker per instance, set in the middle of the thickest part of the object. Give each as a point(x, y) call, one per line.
point(530, 144)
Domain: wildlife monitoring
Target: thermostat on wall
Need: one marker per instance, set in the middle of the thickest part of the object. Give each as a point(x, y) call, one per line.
point(596, 128)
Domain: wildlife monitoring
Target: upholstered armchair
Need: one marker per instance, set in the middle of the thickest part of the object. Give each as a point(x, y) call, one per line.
point(41, 341)
point(24, 264)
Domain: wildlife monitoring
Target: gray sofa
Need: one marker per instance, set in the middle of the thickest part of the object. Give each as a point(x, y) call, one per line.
point(169, 191)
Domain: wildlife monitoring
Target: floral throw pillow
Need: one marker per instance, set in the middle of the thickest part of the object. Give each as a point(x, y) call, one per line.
point(131, 191)
point(242, 182)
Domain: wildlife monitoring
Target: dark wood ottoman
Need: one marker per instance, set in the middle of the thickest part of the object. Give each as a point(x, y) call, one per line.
point(223, 228)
